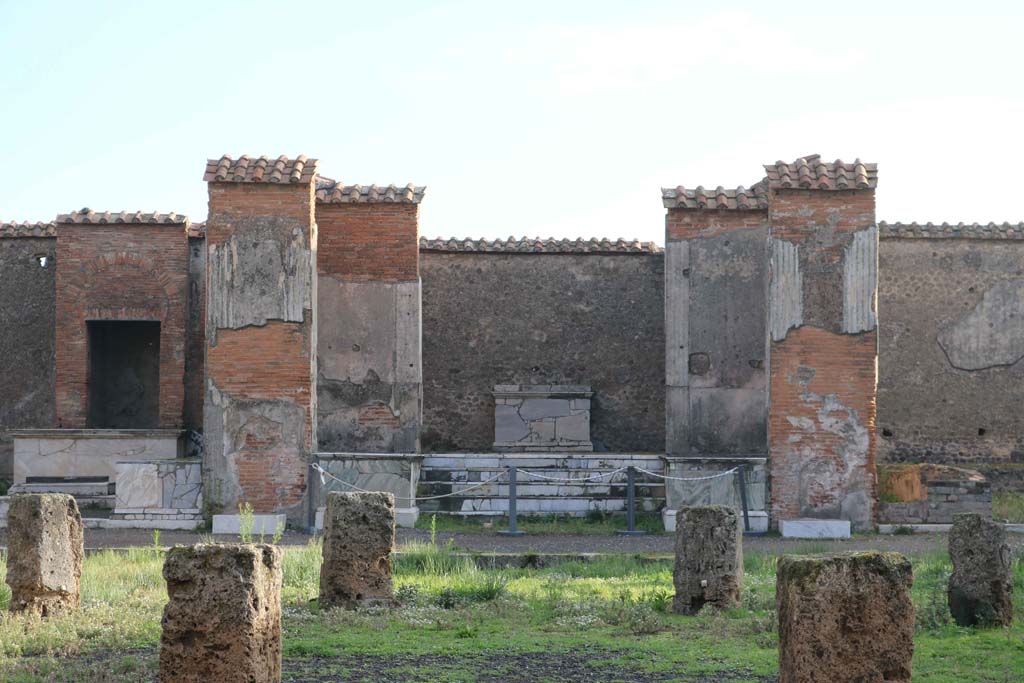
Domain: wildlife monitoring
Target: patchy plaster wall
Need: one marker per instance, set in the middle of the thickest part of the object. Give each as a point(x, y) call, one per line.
point(716, 278)
point(951, 350)
point(27, 312)
point(369, 369)
point(823, 355)
point(259, 408)
point(499, 318)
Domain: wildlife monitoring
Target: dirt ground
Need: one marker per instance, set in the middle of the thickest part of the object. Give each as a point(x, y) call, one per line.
point(915, 545)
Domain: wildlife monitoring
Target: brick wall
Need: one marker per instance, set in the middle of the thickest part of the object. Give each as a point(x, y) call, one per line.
point(823, 375)
point(26, 339)
point(685, 224)
point(821, 422)
point(260, 405)
point(368, 242)
point(120, 272)
point(368, 294)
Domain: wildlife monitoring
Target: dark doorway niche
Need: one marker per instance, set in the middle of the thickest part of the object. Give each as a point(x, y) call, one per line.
point(124, 374)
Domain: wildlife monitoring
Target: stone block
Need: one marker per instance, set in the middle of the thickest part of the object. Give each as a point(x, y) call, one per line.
point(138, 485)
point(845, 618)
point(981, 586)
point(44, 555)
point(709, 558)
point(266, 525)
point(359, 537)
point(815, 528)
point(222, 621)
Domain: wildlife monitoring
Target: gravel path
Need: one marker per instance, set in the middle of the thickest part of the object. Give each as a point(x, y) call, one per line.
point(916, 545)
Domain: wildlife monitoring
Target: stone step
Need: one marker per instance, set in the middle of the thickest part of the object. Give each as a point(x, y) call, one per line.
point(545, 506)
point(70, 487)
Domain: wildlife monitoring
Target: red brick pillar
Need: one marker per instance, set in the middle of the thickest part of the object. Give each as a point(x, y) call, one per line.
point(824, 348)
point(368, 298)
point(260, 407)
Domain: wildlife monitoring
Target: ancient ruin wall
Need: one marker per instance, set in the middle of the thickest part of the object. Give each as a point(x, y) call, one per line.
point(260, 404)
point(124, 267)
point(368, 296)
point(951, 346)
point(26, 335)
point(543, 318)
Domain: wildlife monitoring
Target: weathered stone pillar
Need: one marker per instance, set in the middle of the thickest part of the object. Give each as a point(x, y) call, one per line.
point(359, 535)
point(716, 280)
point(824, 347)
point(44, 554)
point(369, 339)
point(981, 587)
point(222, 621)
point(260, 407)
point(709, 558)
point(845, 618)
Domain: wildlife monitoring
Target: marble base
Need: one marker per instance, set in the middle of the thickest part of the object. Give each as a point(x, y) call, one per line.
point(815, 528)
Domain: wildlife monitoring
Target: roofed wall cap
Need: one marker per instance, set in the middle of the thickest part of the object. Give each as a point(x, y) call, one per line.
point(811, 173)
point(90, 217)
point(992, 231)
point(737, 198)
point(537, 245)
point(27, 229)
point(330, 191)
point(282, 170)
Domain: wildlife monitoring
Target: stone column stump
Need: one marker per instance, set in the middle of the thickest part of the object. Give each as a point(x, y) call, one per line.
point(709, 558)
point(222, 621)
point(980, 589)
point(44, 558)
point(845, 618)
point(359, 535)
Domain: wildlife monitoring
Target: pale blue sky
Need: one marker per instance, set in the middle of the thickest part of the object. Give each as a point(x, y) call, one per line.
point(528, 118)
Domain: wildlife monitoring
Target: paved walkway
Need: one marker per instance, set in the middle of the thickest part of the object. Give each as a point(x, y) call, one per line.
point(916, 545)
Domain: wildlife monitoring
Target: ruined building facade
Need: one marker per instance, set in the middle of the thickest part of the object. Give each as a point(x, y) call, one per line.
point(306, 322)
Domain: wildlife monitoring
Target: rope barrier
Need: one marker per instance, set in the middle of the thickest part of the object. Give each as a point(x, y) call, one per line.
point(665, 476)
point(324, 473)
point(596, 477)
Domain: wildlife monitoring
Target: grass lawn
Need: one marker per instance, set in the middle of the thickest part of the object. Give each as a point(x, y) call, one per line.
point(604, 620)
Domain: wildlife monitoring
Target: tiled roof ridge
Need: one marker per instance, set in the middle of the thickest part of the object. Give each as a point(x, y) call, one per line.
point(247, 169)
point(330, 191)
point(811, 173)
point(28, 229)
point(992, 231)
point(734, 198)
point(90, 217)
point(539, 245)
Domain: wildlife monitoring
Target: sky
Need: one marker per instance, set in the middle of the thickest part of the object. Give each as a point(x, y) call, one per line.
point(553, 119)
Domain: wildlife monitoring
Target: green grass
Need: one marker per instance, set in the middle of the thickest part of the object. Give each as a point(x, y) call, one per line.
point(1008, 505)
point(461, 616)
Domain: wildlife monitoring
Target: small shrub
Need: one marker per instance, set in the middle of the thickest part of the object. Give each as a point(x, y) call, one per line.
point(407, 594)
point(903, 530)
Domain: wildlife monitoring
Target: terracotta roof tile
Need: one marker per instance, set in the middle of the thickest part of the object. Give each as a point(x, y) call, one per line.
point(197, 229)
point(540, 245)
point(983, 231)
point(331, 191)
point(26, 229)
point(248, 169)
point(754, 197)
point(811, 172)
point(90, 217)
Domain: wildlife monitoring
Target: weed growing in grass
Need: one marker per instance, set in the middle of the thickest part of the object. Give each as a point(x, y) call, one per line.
point(246, 522)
